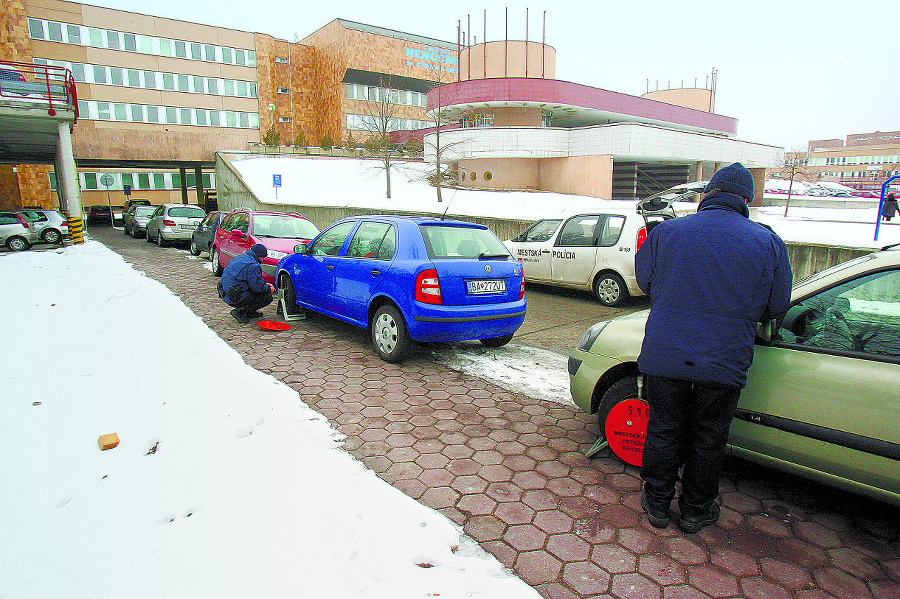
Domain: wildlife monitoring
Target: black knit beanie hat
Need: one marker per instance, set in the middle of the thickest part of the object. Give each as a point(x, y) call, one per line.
point(259, 249)
point(733, 179)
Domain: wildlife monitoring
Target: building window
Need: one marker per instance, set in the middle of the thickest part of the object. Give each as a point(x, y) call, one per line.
point(477, 120)
point(283, 90)
point(281, 59)
point(284, 119)
point(488, 176)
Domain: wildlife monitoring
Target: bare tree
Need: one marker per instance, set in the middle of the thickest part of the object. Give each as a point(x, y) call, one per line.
point(795, 168)
point(440, 174)
point(379, 123)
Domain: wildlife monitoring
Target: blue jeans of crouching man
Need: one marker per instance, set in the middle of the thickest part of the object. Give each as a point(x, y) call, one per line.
point(688, 425)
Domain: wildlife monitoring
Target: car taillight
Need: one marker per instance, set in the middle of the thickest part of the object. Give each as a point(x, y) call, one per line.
point(428, 287)
point(641, 237)
point(522, 286)
point(168, 223)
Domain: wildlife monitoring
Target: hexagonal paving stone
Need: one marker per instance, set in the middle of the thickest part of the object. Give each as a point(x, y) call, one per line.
point(587, 578)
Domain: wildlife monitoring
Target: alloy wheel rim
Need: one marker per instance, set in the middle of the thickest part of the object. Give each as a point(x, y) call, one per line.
point(386, 333)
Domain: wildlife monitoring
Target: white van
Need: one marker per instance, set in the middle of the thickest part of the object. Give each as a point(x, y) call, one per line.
point(593, 251)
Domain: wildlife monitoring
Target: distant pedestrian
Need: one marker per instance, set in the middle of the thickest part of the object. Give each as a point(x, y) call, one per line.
point(711, 277)
point(890, 208)
point(243, 287)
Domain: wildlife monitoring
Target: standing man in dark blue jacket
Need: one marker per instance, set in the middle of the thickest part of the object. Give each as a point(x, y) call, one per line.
point(243, 287)
point(711, 276)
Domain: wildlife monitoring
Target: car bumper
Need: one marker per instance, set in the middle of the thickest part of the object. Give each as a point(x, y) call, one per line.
point(461, 323)
point(176, 234)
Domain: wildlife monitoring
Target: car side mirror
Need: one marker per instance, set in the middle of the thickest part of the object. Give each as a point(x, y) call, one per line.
point(237, 233)
point(300, 248)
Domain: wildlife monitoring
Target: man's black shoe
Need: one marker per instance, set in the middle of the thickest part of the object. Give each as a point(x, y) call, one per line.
point(240, 316)
point(694, 524)
point(256, 314)
point(658, 518)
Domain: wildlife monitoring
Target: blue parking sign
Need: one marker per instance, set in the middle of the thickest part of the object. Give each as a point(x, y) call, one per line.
point(276, 180)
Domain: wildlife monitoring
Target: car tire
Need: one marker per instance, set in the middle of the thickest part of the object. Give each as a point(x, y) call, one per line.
point(214, 259)
point(135, 233)
point(625, 389)
point(159, 239)
point(290, 298)
point(17, 243)
point(51, 236)
point(497, 341)
point(610, 289)
point(125, 229)
point(195, 251)
point(148, 238)
point(389, 336)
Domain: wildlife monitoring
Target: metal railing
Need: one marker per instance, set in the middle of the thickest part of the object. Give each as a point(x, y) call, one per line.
point(38, 85)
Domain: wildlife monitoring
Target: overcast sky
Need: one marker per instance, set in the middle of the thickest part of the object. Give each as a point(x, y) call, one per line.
point(789, 71)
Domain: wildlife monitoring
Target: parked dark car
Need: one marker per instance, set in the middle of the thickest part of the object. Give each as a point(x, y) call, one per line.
point(129, 204)
point(136, 220)
point(280, 232)
point(203, 236)
point(408, 279)
point(100, 214)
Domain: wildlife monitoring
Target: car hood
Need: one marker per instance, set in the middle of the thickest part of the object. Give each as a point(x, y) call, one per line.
point(622, 337)
point(280, 244)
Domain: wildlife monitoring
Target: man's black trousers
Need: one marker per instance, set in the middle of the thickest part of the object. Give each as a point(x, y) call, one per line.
point(254, 301)
point(688, 425)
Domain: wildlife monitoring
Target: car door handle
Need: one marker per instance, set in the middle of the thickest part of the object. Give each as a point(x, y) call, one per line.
point(375, 272)
point(545, 251)
point(329, 266)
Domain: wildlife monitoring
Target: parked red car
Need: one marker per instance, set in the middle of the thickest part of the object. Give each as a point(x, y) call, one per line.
point(278, 231)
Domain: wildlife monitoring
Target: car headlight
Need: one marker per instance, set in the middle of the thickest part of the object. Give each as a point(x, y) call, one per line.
point(587, 340)
point(276, 254)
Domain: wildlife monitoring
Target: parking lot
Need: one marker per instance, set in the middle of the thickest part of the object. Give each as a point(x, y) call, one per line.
point(509, 468)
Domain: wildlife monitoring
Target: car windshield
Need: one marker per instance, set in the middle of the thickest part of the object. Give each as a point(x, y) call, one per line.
point(187, 211)
point(283, 227)
point(453, 242)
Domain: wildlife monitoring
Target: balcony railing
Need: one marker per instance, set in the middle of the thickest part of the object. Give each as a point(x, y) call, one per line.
point(38, 85)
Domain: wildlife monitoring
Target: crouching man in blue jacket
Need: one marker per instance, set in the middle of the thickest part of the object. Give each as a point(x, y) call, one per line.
point(243, 287)
point(711, 277)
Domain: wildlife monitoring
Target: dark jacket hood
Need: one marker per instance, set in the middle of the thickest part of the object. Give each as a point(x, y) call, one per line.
point(724, 201)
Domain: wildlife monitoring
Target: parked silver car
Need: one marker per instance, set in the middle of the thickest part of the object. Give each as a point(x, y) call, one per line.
point(136, 220)
point(173, 222)
point(16, 232)
point(50, 225)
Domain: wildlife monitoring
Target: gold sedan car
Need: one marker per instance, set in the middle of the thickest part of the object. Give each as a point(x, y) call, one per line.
point(822, 397)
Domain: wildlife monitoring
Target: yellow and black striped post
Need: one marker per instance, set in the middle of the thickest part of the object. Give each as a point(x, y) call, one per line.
point(76, 229)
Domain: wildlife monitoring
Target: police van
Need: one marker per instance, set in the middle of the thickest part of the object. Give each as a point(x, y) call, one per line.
point(592, 250)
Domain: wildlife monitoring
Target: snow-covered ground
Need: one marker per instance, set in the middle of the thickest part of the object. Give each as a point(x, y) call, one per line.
point(224, 484)
point(360, 183)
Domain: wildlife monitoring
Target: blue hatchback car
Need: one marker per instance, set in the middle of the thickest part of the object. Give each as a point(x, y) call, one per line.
point(408, 279)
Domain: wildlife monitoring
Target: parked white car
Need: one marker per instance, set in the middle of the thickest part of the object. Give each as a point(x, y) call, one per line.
point(593, 250)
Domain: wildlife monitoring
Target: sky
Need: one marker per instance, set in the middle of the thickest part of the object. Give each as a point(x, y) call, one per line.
point(790, 72)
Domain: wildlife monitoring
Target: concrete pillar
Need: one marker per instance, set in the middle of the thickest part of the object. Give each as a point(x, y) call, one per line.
point(67, 183)
point(184, 195)
point(198, 184)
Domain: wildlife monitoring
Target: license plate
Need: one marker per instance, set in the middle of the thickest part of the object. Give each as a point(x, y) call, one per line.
point(188, 226)
point(486, 286)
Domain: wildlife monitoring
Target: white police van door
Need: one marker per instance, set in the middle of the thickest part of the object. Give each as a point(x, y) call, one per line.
point(573, 255)
point(533, 247)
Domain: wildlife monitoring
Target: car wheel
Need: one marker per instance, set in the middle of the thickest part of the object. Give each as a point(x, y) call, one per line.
point(214, 258)
point(290, 298)
point(159, 239)
point(134, 233)
point(195, 251)
point(497, 341)
point(51, 236)
point(610, 289)
point(17, 244)
point(148, 238)
point(389, 336)
point(125, 229)
point(623, 420)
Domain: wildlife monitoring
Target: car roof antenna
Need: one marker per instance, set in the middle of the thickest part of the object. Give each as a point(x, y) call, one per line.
point(444, 215)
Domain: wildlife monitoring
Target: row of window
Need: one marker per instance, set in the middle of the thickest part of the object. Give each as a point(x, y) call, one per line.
point(81, 35)
point(99, 74)
point(368, 122)
point(371, 93)
point(864, 174)
point(477, 120)
point(140, 181)
point(839, 160)
point(169, 115)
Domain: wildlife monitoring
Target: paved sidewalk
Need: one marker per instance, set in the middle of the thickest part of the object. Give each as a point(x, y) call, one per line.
point(509, 470)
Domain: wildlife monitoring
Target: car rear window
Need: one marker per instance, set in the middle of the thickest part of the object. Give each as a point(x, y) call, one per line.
point(144, 210)
point(454, 242)
point(191, 211)
point(286, 227)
